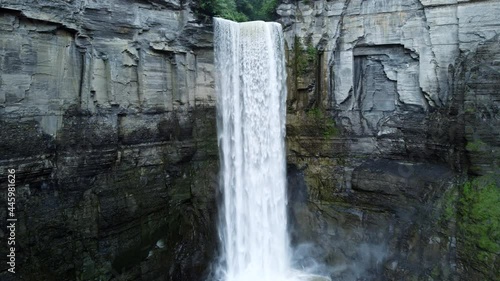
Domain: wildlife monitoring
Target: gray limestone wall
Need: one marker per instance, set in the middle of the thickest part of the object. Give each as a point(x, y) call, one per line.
point(422, 44)
point(107, 115)
point(401, 101)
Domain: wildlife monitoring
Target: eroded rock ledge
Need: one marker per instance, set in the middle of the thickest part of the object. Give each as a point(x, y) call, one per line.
point(107, 115)
point(390, 104)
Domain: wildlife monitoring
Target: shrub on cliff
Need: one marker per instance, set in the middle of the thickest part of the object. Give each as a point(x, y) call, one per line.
point(238, 10)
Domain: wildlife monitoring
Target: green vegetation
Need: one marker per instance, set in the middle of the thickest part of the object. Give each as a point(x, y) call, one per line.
point(304, 56)
point(479, 218)
point(322, 124)
point(238, 10)
point(474, 207)
point(476, 145)
point(450, 203)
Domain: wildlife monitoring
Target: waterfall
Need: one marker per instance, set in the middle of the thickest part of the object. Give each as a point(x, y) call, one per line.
point(251, 96)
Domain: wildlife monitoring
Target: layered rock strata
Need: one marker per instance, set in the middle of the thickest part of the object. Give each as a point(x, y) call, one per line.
point(107, 116)
point(391, 103)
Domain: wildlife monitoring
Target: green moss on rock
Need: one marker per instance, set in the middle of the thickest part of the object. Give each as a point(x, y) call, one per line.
point(304, 56)
point(321, 124)
point(471, 212)
point(476, 145)
point(480, 216)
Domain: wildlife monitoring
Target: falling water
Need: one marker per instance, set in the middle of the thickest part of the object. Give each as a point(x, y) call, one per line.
point(251, 94)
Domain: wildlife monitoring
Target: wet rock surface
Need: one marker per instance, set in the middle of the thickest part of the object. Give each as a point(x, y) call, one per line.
point(107, 116)
point(400, 104)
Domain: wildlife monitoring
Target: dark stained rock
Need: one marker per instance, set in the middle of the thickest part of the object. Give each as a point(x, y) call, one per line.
point(107, 115)
point(411, 90)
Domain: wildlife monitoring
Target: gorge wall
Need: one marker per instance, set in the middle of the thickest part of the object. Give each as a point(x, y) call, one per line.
point(392, 104)
point(107, 115)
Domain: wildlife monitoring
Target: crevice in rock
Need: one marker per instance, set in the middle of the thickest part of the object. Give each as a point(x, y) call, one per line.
point(34, 21)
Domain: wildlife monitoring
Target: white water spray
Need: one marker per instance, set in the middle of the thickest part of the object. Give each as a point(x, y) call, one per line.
point(251, 114)
point(251, 111)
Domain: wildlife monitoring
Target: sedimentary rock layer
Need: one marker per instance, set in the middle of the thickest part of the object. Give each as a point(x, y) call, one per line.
point(107, 115)
point(389, 101)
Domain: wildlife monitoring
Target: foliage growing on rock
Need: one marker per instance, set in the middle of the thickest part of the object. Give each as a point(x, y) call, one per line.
point(476, 145)
point(304, 56)
point(480, 217)
point(239, 10)
point(320, 123)
point(475, 206)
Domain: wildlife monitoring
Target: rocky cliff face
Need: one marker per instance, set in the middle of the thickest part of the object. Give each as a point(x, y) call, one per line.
point(390, 104)
point(107, 115)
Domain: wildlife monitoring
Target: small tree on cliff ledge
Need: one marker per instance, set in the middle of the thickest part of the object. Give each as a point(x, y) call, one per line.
point(238, 10)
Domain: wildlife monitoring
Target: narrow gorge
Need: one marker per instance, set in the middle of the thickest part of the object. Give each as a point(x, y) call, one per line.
point(108, 116)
